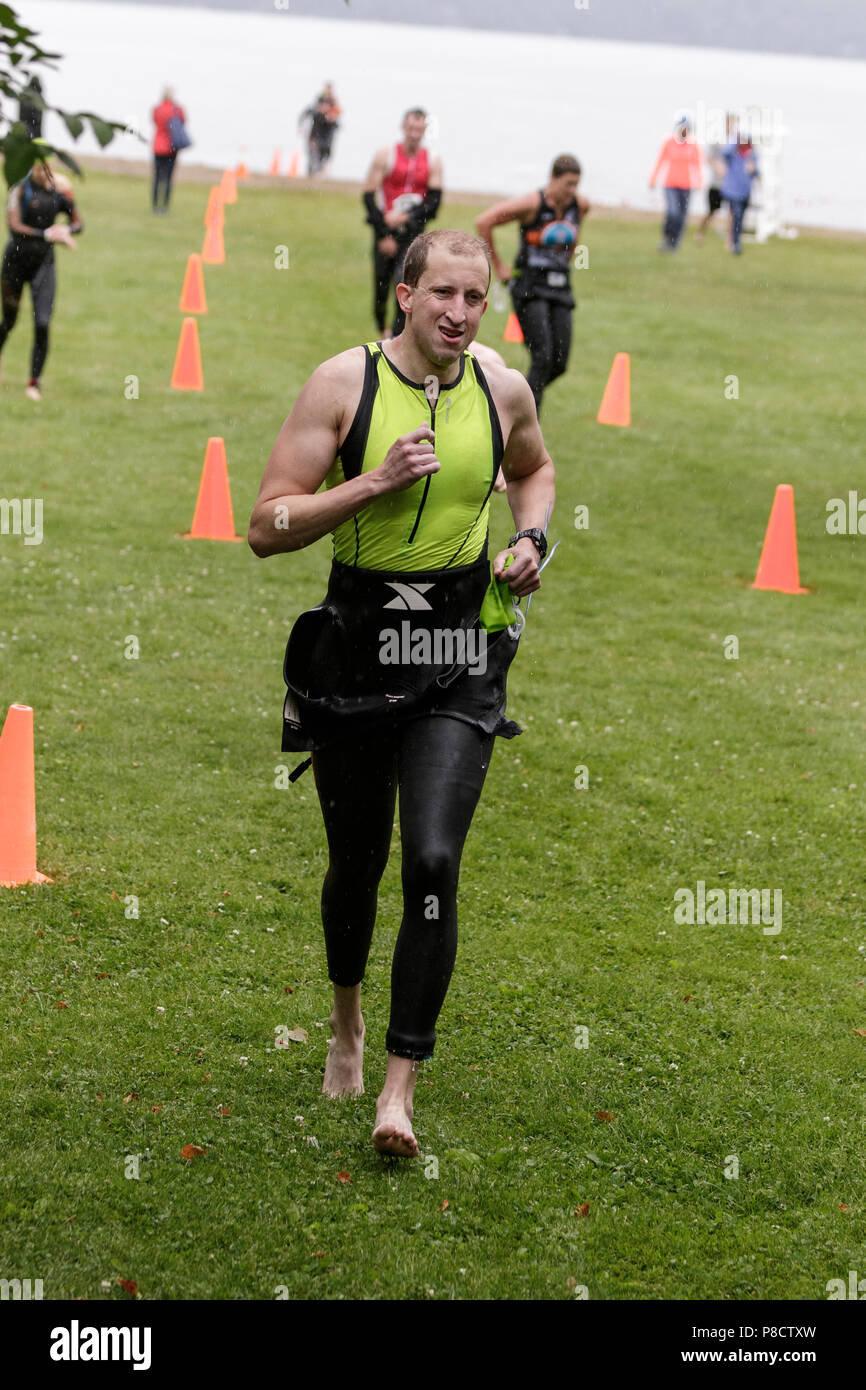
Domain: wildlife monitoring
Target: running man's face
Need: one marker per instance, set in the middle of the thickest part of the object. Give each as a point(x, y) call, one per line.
point(41, 175)
point(565, 187)
point(413, 132)
point(445, 307)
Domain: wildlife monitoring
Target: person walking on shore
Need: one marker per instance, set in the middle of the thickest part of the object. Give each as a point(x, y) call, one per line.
point(169, 137)
point(741, 171)
point(681, 160)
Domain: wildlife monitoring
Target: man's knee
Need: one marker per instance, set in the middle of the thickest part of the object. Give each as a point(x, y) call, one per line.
point(431, 869)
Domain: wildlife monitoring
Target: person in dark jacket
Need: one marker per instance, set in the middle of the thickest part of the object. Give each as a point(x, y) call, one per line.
point(30, 111)
point(164, 152)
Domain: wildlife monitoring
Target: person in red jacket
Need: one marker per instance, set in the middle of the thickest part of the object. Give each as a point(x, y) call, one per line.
point(681, 160)
point(164, 152)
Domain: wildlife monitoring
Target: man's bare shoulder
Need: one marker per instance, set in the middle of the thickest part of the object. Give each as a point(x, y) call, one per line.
point(334, 388)
point(345, 368)
point(509, 388)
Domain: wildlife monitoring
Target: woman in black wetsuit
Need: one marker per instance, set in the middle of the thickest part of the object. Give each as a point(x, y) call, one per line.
point(540, 283)
point(33, 205)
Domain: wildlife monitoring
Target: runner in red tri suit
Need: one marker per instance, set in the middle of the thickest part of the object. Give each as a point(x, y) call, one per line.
point(401, 195)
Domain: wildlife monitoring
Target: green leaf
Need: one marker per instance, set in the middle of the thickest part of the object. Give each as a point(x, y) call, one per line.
point(74, 124)
point(18, 156)
point(593, 1158)
point(103, 131)
point(69, 162)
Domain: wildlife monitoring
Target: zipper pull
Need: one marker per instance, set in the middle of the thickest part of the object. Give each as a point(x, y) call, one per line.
point(431, 391)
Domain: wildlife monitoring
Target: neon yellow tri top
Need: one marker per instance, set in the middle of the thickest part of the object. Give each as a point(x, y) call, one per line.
point(441, 521)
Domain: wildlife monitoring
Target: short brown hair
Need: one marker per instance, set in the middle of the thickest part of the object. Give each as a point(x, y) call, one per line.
point(458, 243)
point(415, 111)
point(564, 164)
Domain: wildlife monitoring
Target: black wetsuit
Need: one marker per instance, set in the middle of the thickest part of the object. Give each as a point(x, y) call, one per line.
point(30, 259)
point(541, 291)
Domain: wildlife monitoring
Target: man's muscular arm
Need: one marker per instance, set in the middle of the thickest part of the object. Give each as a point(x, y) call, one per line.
point(290, 512)
point(529, 475)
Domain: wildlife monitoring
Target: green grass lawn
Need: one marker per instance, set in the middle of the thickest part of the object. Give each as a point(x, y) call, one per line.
point(156, 780)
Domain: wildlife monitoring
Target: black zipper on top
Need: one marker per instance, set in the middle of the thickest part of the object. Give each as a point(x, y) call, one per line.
point(427, 479)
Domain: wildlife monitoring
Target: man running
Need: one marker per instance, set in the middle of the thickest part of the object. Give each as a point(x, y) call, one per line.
point(390, 682)
point(550, 220)
point(33, 205)
point(401, 195)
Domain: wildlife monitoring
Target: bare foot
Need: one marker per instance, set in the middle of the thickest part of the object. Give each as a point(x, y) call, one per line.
point(344, 1068)
point(393, 1133)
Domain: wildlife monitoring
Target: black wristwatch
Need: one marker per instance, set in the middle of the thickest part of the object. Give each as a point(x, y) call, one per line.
point(536, 535)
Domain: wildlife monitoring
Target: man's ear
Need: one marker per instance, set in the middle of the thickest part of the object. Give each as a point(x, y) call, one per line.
point(405, 295)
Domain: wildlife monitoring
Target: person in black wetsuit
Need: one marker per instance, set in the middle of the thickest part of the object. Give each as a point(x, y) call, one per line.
point(410, 558)
point(33, 205)
point(550, 219)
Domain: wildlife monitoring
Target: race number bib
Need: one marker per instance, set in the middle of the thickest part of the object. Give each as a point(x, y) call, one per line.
point(406, 202)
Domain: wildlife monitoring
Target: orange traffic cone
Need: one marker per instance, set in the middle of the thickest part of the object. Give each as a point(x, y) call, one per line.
point(213, 252)
point(242, 172)
point(18, 801)
point(192, 297)
point(187, 374)
point(228, 186)
point(214, 211)
point(778, 567)
point(213, 520)
point(615, 408)
point(294, 164)
point(275, 163)
point(513, 331)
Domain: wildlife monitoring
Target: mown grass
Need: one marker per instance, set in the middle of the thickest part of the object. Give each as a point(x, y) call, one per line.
point(156, 779)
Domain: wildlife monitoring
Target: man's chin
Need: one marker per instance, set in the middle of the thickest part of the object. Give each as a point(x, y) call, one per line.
point(442, 351)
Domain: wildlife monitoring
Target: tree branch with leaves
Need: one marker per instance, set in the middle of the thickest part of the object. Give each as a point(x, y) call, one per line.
point(20, 53)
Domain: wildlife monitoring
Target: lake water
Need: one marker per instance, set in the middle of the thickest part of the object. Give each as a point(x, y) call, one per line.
point(503, 105)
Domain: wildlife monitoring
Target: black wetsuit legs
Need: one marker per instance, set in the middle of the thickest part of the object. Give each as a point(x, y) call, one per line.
point(43, 288)
point(43, 285)
point(546, 327)
point(439, 765)
point(388, 270)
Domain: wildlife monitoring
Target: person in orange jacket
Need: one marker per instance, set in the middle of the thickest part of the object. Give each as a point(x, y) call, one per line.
point(681, 160)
